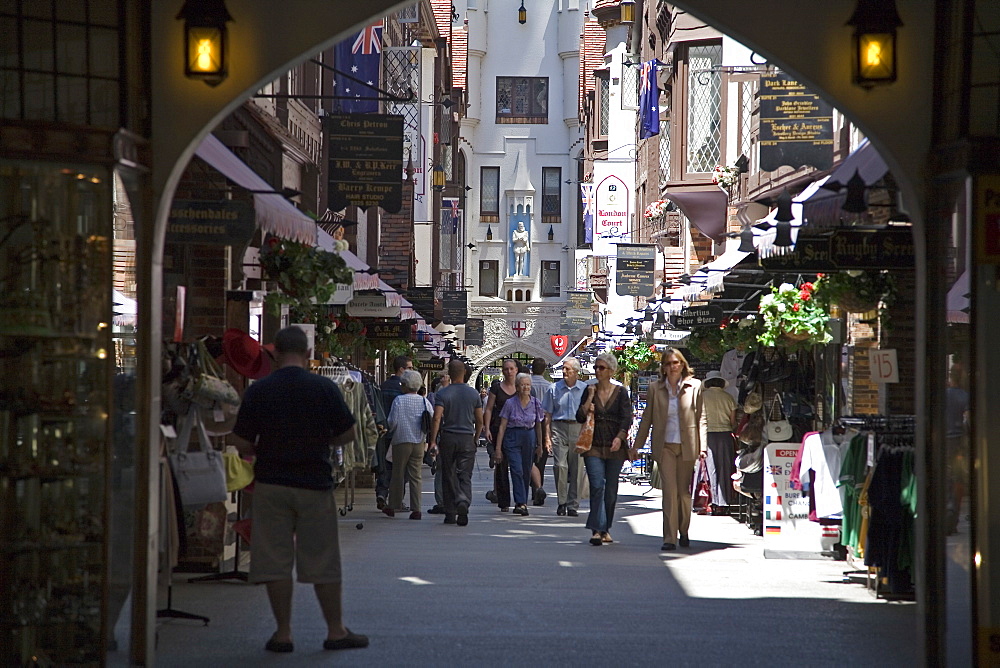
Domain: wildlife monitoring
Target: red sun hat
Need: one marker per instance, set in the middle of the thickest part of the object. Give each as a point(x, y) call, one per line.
point(244, 354)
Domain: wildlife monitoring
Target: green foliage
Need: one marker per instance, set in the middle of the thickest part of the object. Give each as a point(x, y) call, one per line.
point(793, 318)
point(740, 333)
point(707, 343)
point(634, 357)
point(857, 291)
point(305, 274)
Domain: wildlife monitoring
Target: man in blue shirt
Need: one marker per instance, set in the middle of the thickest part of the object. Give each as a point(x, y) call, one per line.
point(560, 403)
point(290, 421)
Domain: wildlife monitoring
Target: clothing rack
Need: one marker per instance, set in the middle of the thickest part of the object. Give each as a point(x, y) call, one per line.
point(340, 371)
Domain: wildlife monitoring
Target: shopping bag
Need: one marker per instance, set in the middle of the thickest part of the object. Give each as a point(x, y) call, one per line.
point(586, 439)
point(702, 497)
point(200, 474)
point(777, 429)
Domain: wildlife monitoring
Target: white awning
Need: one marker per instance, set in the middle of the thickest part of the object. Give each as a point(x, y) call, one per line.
point(764, 239)
point(275, 214)
point(710, 279)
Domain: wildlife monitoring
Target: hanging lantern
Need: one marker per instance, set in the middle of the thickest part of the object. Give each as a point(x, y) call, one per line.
point(205, 40)
point(522, 14)
point(874, 42)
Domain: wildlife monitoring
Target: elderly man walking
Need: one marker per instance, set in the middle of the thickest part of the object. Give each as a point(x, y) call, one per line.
point(458, 419)
point(560, 403)
point(290, 421)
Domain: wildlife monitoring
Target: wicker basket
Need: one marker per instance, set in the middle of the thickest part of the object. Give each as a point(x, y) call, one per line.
point(855, 304)
point(795, 337)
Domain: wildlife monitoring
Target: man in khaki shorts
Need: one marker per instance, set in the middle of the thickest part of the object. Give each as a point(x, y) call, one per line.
point(289, 420)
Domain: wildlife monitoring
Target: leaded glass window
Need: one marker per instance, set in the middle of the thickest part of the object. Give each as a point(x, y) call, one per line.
point(747, 92)
point(704, 108)
point(489, 191)
point(664, 150)
point(551, 201)
point(604, 100)
point(523, 97)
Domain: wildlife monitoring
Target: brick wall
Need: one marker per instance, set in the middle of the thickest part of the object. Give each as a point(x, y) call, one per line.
point(902, 335)
point(396, 251)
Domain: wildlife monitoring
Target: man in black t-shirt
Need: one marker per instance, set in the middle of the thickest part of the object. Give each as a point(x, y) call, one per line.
point(290, 420)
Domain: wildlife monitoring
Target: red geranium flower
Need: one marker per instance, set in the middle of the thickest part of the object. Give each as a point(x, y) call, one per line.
point(808, 286)
point(795, 307)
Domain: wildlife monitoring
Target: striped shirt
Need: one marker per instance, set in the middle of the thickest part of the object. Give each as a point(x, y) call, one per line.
point(405, 418)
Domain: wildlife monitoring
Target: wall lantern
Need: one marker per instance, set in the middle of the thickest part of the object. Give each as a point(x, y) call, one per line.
point(874, 42)
point(627, 11)
point(855, 201)
point(647, 314)
point(661, 317)
point(489, 233)
point(746, 240)
point(205, 40)
point(552, 233)
point(522, 14)
point(438, 177)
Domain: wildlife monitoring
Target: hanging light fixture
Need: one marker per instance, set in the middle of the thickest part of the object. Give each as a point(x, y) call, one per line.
point(855, 202)
point(552, 233)
point(489, 233)
point(522, 14)
point(661, 317)
point(647, 314)
point(627, 11)
point(783, 220)
point(438, 177)
point(205, 40)
point(874, 42)
point(746, 240)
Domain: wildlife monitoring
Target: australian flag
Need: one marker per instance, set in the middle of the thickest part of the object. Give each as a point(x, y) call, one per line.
point(450, 215)
point(587, 200)
point(649, 100)
point(358, 59)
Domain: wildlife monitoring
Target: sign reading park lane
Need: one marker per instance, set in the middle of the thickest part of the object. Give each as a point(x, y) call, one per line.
point(796, 126)
point(366, 160)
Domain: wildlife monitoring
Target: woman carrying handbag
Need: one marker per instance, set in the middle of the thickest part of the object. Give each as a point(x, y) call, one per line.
point(611, 409)
point(675, 412)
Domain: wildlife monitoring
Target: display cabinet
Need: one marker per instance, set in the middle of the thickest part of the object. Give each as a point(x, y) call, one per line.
point(56, 369)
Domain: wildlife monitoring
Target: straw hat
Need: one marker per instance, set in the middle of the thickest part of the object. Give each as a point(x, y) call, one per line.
point(712, 375)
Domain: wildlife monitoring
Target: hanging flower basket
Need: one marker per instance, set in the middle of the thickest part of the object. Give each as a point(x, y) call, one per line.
point(792, 318)
point(856, 303)
point(856, 291)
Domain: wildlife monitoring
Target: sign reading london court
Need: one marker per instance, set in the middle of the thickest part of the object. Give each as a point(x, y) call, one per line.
point(366, 160)
point(215, 222)
point(636, 269)
point(796, 126)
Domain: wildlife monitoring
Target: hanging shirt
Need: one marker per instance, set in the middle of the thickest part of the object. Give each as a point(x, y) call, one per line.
point(823, 454)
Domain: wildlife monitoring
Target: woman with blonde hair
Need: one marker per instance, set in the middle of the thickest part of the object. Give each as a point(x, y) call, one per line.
point(675, 410)
point(612, 411)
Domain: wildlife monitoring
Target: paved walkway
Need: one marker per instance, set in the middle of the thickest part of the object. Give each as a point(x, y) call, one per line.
point(517, 591)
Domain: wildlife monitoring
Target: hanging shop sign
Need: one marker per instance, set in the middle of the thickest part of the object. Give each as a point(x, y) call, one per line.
point(371, 306)
point(384, 331)
point(575, 324)
point(474, 331)
point(847, 249)
point(422, 301)
point(217, 223)
point(579, 300)
point(883, 365)
point(560, 342)
point(454, 307)
point(699, 316)
point(366, 159)
point(612, 216)
point(342, 295)
point(432, 364)
point(635, 272)
point(988, 218)
point(796, 126)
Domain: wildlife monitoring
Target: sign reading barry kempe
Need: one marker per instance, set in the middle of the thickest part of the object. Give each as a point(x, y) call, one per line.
point(366, 159)
point(796, 126)
point(219, 223)
point(699, 316)
point(636, 269)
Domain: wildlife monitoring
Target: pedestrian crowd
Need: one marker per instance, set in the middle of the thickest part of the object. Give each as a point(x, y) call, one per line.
point(289, 420)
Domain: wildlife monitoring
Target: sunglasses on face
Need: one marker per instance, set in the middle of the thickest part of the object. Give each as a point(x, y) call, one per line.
point(600, 367)
point(672, 363)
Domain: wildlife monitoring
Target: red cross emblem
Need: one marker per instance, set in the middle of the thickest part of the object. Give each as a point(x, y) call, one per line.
point(519, 328)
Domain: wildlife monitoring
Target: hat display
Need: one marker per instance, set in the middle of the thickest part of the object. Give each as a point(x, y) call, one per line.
point(712, 375)
point(244, 354)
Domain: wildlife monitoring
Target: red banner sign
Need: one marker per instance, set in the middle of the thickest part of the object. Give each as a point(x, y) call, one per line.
point(559, 344)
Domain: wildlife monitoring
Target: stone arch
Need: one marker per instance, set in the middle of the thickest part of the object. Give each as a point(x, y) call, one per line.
point(486, 355)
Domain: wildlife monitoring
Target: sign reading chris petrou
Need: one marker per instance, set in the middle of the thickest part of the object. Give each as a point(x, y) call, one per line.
point(366, 161)
point(220, 223)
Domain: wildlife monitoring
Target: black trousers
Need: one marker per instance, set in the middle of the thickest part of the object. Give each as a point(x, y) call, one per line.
point(458, 457)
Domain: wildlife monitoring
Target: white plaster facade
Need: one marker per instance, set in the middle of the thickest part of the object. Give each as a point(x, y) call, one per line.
point(546, 45)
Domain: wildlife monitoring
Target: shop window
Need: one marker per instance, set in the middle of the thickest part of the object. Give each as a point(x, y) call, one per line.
point(550, 278)
point(489, 278)
point(522, 100)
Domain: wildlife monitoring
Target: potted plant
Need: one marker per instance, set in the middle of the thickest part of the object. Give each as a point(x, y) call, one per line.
point(633, 358)
point(707, 343)
point(306, 275)
point(726, 177)
point(792, 317)
point(856, 291)
point(656, 211)
point(740, 333)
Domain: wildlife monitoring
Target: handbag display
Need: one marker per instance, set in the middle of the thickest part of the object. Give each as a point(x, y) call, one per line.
point(750, 459)
point(208, 387)
point(200, 474)
point(777, 429)
point(239, 472)
point(586, 439)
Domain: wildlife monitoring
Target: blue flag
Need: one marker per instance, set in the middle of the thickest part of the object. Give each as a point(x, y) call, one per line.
point(359, 57)
point(587, 200)
point(649, 100)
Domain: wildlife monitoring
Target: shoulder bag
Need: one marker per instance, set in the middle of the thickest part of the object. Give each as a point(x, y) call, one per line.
point(586, 439)
point(200, 474)
point(777, 429)
point(208, 387)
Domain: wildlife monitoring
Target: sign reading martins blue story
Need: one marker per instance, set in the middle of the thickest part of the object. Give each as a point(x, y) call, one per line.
point(699, 316)
point(636, 269)
point(796, 126)
point(366, 159)
point(219, 223)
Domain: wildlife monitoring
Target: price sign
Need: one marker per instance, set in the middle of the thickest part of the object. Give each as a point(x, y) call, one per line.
point(883, 366)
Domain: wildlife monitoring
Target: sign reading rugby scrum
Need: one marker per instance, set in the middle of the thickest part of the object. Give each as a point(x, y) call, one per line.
point(218, 223)
point(371, 306)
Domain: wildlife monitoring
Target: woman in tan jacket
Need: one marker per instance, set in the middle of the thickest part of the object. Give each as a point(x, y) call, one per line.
point(676, 411)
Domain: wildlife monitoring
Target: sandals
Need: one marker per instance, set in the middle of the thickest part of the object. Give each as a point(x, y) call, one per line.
point(278, 646)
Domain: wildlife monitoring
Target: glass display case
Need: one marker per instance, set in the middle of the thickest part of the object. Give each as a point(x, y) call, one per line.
point(57, 362)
